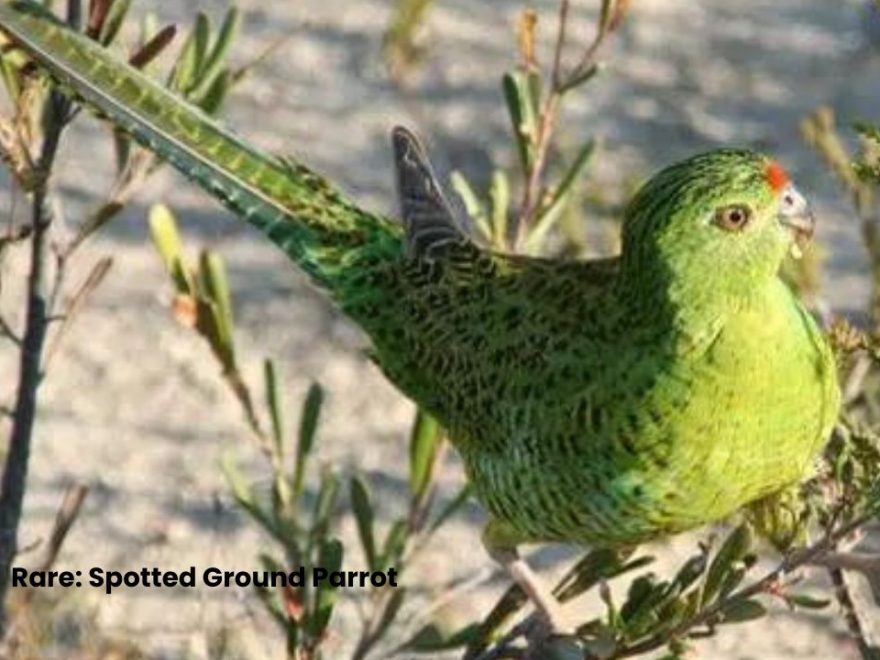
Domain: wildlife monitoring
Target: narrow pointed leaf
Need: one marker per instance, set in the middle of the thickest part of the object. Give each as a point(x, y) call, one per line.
point(474, 208)
point(735, 547)
point(245, 498)
point(329, 558)
point(217, 93)
point(594, 567)
point(740, 611)
point(273, 402)
point(11, 77)
point(201, 39)
point(163, 230)
point(509, 604)
point(424, 443)
point(807, 602)
point(690, 572)
point(362, 505)
point(325, 503)
point(116, 14)
point(499, 194)
point(550, 215)
point(451, 507)
point(391, 611)
point(308, 425)
point(519, 94)
point(432, 638)
point(215, 61)
point(395, 543)
point(216, 285)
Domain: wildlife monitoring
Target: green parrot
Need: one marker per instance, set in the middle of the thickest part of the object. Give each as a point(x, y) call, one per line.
point(604, 402)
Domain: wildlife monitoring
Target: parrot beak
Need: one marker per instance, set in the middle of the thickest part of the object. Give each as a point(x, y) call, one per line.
point(795, 214)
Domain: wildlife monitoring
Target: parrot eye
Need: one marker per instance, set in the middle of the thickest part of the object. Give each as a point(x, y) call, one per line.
point(733, 218)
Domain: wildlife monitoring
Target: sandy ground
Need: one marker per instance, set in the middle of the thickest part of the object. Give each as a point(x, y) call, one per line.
point(134, 407)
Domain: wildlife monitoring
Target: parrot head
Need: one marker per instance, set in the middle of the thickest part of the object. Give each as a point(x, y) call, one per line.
point(725, 219)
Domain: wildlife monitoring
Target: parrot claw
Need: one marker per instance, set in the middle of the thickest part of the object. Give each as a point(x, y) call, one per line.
point(551, 618)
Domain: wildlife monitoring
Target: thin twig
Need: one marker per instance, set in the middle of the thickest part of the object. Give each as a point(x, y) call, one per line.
point(560, 43)
point(534, 190)
point(866, 564)
point(88, 287)
point(452, 593)
point(67, 513)
point(15, 470)
point(7, 332)
point(858, 628)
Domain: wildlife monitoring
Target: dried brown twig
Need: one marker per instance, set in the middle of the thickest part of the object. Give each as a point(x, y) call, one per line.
point(611, 15)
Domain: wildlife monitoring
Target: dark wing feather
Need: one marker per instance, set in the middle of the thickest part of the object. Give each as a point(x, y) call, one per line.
point(430, 224)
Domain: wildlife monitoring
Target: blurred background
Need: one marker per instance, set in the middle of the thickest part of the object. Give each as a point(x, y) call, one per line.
point(135, 409)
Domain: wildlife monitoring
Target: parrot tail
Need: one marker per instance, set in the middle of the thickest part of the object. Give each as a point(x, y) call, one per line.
point(336, 243)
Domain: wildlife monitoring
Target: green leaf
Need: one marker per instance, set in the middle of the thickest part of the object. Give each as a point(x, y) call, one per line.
point(522, 95)
point(212, 273)
point(308, 425)
point(807, 602)
point(423, 445)
point(276, 416)
point(472, 205)
point(735, 548)
point(215, 61)
point(739, 611)
point(640, 591)
point(328, 491)
point(330, 558)
point(499, 194)
point(595, 566)
point(640, 612)
point(163, 230)
point(672, 614)
point(563, 195)
point(244, 496)
point(395, 543)
point(432, 638)
point(185, 74)
point(506, 606)
point(113, 21)
point(731, 581)
point(11, 77)
point(362, 505)
point(690, 572)
point(201, 39)
point(268, 596)
point(451, 507)
point(391, 611)
point(273, 402)
point(217, 93)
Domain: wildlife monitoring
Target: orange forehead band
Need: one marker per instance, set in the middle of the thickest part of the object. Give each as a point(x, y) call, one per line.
point(776, 176)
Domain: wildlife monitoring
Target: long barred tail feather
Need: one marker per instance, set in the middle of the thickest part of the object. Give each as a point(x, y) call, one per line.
point(322, 231)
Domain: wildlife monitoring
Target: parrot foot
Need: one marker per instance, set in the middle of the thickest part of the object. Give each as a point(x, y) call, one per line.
point(552, 617)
